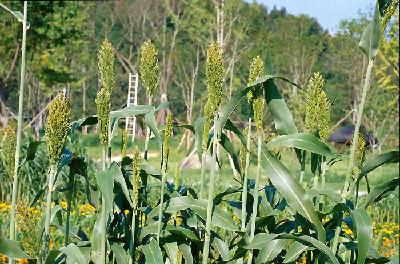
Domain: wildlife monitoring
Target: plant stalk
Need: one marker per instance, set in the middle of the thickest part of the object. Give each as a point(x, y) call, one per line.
point(132, 244)
point(244, 191)
point(69, 201)
point(19, 131)
point(203, 172)
point(303, 166)
point(160, 210)
point(256, 191)
point(345, 191)
point(103, 215)
point(210, 204)
point(51, 177)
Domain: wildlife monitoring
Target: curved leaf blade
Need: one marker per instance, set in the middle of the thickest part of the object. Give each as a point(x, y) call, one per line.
point(363, 227)
point(11, 249)
point(152, 252)
point(294, 251)
point(371, 37)
point(74, 254)
point(270, 251)
point(386, 158)
point(380, 192)
point(291, 190)
point(304, 141)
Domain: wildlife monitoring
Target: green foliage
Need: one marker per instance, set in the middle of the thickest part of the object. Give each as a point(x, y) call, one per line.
point(7, 150)
point(106, 66)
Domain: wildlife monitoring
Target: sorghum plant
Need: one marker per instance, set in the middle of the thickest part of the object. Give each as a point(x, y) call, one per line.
point(256, 100)
point(136, 162)
point(123, 142)
point(167, 140)
point(214, 74)
point(57, 127)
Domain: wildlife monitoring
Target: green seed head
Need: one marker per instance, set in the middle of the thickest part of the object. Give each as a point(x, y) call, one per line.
point(214, 74)
point(176, 177)
point(318, 107)
point(167, 139)
point(149, 68)
point(136, 163)
point(8, 147)
point(256, 70)
point(57, 126)
point(393, 6)
point(107, 65)
point(103, 113)
point(242, 154)
point(123, 142)
point(359, 155)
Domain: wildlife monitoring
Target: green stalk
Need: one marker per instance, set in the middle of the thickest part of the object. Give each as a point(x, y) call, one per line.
point(246, 174)
point(103, 216)
point(203, 172)
point(160, 210)
point(146, 143)
point(210, 204)
point(257, 186)
point(19, 131)
point(51, 177)
point(345, 191)
point(69, 201)
point(132, 244)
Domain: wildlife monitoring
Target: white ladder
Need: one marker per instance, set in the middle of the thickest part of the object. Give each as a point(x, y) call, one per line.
point(130, 123)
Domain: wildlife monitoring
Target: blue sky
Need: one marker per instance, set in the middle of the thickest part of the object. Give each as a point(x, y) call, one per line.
point(327, 12)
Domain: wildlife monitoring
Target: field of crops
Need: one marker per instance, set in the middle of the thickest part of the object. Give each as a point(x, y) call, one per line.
point(257, 195)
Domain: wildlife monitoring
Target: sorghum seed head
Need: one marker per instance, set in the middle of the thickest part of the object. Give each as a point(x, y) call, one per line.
point(149, 68)
point(176, 177)
point(106, 65)
point(103, 113)
point(214, 75)
point(8, 147)
point(167, 139)
point(206, 129)
point(242, 154)
point(28, 222)
point(123, 142)
point(256, 70)
point(57, 126)
point(136, 163)
point(318, 107)
point(389, 11)
point(359, 155)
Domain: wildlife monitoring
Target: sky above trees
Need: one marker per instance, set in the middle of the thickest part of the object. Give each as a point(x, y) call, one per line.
point(328, 12)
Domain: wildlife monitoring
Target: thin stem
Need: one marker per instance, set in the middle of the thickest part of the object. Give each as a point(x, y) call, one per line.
point(103, 216)
point(132, 244)
point(19, 131)
point(69, 201)
point(160, 210)
point(246, 174)
point(345, 190)
point(210, 204)
point(203, 172)
point(146, 143)
point(303, 166)
point(50, 179)
point(256, 191)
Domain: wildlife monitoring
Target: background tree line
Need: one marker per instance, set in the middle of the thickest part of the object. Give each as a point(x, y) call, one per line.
point(64, 36)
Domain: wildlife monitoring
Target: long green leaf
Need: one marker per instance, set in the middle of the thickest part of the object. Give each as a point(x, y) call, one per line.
point(187, 253)
point(284, 123)
point(363, 227)
point(105, 181)
point(74, 255)
point(228, 146)
point(386, 158)
point(150, 120)
point(152, 252)
point(171, 249)
point(222, 248)
point(302, 141)
point(11, 249)
point(371, 37)
point(381, 191)
point(294, 251)
point(294, 194)
point(260, 240)
point(220, 217)
point(270, 251)
point(119, 178)
point(312, 242)
point(131, 111)
point(119, 254)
